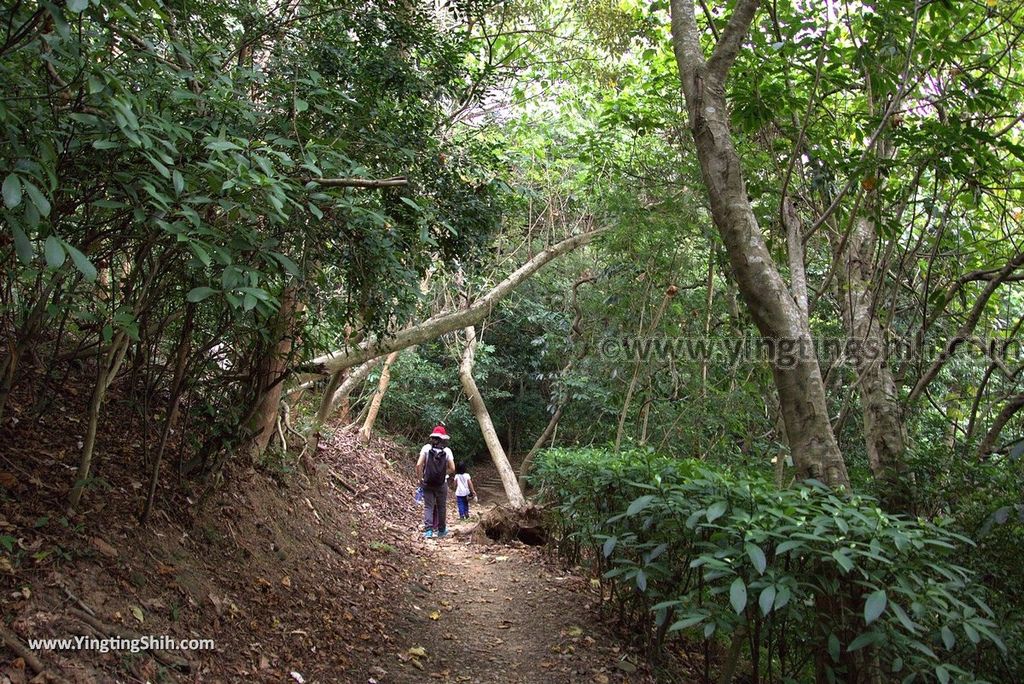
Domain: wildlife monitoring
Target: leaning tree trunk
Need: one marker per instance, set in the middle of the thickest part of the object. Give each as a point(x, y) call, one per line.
point(483, 418)
point(524, 469)
point(777, 316)
point(378, 397)
point(438, 325)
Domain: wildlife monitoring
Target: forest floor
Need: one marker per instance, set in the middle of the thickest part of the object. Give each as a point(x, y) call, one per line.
point(296, 578)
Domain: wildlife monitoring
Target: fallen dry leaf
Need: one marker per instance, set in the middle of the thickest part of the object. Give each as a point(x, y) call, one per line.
point(104, 548)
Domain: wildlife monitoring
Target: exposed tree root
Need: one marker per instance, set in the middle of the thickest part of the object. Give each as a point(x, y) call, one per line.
point(31, 659)
point(505, 523)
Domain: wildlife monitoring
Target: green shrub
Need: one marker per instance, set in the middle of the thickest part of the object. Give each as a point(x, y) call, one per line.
point(800, 583)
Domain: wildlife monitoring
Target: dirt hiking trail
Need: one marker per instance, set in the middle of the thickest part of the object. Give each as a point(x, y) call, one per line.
point(499, 614)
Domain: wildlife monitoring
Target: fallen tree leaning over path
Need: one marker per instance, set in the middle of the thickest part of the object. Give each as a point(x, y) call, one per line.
point(438, 325)
point(483, 418)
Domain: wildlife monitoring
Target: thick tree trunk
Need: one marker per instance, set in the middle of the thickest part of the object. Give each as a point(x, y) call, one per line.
point(483, 418)
point(772, 307)
point(378, 397)
point(438, 325)
point(274, 367)
point(883, 424)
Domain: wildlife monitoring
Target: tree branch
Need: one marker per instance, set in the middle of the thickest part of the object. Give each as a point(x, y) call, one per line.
point(988, 445)
point(967, 328)
point(735, 33)
point(395, 181)
point(438, 325)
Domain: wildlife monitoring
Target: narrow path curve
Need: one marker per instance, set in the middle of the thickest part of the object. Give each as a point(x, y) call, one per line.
point(499, 615)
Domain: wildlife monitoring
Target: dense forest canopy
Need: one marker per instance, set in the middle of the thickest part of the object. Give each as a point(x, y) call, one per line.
point(783, 239)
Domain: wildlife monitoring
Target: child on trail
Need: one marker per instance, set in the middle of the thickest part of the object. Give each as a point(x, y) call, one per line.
point(463, 489)
point(435, 463)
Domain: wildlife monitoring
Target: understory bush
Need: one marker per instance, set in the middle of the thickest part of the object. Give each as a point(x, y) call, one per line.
point(799, 584)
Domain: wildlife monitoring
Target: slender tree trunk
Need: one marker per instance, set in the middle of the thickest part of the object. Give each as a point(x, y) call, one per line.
point(775, 313)
point(524, 469)
point(108, 370)
point(708, 304)
point(275, 365)
point(378, 397)
point(640, 363)
point(177, 390)
point(483, 418)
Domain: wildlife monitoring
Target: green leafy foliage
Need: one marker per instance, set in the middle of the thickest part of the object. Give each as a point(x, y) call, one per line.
point(683, 547)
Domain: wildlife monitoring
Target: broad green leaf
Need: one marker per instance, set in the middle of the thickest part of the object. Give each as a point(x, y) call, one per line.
point(39, 200)
point(609, 546)
point(81, 262)
point(783, 597)
point(947, 637)
point(288, 264)
point(902, 616)
point(179, 181)
point(866, 639)
point(54, 252)
point(639, 504)
point(788, 546)
point(22, 245)
point(833, 647)
point(716, 510)
point(641, 580)
point(198, 294)
point(843, 560)
point(767, 599)
point(756, 557)
point(686, 622)
point(874, 606)
point(12, 191)
point(77, 6)
point(738, 595)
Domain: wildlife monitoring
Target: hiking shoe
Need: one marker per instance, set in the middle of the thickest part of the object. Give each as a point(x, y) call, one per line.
point(428, 534)
point(442, 533)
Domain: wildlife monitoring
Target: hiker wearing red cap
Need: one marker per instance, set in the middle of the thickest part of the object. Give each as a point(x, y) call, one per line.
point(435, 463)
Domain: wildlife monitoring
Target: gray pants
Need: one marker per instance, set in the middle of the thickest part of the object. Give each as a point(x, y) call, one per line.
point(435, 508)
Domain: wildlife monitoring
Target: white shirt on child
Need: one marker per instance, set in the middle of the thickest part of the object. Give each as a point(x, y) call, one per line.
point(462, 484)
